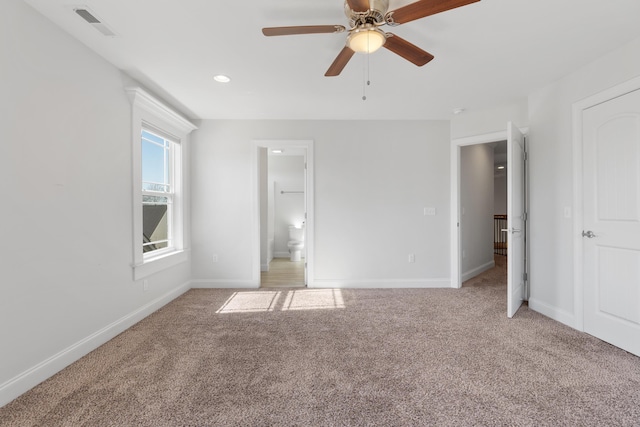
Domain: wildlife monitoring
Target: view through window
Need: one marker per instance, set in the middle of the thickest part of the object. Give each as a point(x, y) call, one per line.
point(157, 191)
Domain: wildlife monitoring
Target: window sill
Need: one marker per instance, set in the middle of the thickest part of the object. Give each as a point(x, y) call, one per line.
point(158, 263)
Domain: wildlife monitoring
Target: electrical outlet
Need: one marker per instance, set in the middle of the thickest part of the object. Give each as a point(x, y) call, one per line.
point(412, 258)
point(214, 258)
point(145, 285)
point(429, 211)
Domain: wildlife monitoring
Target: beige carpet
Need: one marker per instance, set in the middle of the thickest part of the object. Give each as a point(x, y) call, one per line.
point(337, 358)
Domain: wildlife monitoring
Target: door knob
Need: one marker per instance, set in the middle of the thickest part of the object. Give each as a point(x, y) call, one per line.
point(588, 234)
point(513, 230)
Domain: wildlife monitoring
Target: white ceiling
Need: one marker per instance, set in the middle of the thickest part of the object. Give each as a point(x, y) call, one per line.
point(486, 54)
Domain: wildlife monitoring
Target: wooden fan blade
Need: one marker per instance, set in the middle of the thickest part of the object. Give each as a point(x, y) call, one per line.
point(358, 5)
point(408, 51)
point(423, 8)
point(307, 29)
point(340, 62)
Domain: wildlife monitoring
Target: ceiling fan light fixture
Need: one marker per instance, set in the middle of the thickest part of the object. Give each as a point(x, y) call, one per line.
point(367, 39)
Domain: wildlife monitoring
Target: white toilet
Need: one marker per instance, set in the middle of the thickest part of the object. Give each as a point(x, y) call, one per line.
point(296, 242)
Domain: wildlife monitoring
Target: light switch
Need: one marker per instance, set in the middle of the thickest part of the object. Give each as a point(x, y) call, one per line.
point(429, 211)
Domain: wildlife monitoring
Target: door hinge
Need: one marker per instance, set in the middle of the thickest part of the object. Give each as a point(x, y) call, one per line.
point(305, 265)
point(305, 215)
point(526, 155)
point(525, 216)
point(305, 165)
point(525, 276)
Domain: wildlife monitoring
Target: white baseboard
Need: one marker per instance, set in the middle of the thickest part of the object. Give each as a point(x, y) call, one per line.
point(224, 284)
point(552, 312)
point(28, 379)
point(478, 270)
point(264, 267)
point(377, 283)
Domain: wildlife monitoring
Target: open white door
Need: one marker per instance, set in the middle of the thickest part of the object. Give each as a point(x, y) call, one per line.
point(516, 218)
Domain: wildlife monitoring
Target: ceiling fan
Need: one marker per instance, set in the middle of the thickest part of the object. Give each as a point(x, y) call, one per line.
point(365, 18)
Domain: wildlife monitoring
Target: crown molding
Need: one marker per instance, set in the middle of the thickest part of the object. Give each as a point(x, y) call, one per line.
point(143, 99)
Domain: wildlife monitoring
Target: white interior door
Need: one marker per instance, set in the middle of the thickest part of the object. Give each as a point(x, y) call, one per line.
point(515, 219)
point(611, 219)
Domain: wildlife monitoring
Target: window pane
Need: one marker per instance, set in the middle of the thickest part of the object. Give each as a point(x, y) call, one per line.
point(157, 178)
point(155, 225)
point(155, 162)
point(153, 138)
point(152, 186)
point(154, 246)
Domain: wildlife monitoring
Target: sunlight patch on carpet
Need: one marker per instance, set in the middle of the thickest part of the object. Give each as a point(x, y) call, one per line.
point(265, 301)
point(313, 299)
point(250, 302)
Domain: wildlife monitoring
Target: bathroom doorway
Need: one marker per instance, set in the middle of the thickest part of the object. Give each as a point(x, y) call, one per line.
point(284, 219)
point(283, 273)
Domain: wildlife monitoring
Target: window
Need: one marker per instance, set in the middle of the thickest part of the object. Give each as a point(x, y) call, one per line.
point(160, 217)
point(157, 192)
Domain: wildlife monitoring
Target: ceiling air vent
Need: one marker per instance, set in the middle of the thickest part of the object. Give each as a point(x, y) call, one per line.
point(90, 17)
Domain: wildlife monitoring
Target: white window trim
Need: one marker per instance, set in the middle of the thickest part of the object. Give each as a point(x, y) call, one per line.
point(148, 110)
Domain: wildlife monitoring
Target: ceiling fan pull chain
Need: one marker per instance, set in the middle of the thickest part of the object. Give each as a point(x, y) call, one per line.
point(368, 69)
point(364, 80)
point(366, 74)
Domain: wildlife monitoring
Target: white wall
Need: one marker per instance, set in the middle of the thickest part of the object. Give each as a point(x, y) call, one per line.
point(500, 194)
point(551, 174)
point(489, 120)
point(271, 220)
point(286, 173)
point(476, 206)
point(66, 217)
point(263, 165)
point(372, 182)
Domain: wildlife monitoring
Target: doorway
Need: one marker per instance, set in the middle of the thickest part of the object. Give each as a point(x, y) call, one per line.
point(516, 212)
point(283, 189)
point(483, 198)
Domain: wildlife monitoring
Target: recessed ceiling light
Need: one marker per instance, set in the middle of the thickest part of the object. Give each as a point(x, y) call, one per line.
point(500, 167)
point(221, 78)
point(277, 151)
point(458, 110)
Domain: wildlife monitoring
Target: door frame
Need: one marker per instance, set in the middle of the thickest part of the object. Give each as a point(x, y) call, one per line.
point(256, 144)
point(578, 187)
point(456, 146)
